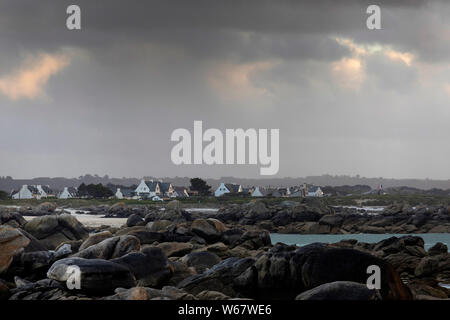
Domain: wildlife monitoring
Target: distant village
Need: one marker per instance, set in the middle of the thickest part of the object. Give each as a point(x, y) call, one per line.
point(160, 190)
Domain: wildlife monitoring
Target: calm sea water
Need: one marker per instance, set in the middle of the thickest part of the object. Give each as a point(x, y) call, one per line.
point(304, 239)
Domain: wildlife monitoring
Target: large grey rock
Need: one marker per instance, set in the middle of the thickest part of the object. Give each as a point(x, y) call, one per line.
point(436, 266)
point(46, 208)
point(144, 235)
point(201, 260)
point(54, 230)
point(159, 225)
point(111, 248)
point(257, 210)
point(220, 278)
point(175, 249)
point(12, 241)
point(340, 290)
point(286, 271)
point(254, 239)
point(95, 238)
point(438, 248)
point(12, 218)
point(209, 229)
point(134, 220)
point(150, 266)
point(97, 275)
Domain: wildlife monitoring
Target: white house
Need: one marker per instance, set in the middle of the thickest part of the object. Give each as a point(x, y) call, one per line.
point(24, 193)
point(257, 192)
point(118, 194)
point(265, 192)
point(68, 193)
point(226, 188)
point(65, 194)
point(149, 189)
point(41, 191)
point(315, 192)
point(146, 189)
point(32, 192)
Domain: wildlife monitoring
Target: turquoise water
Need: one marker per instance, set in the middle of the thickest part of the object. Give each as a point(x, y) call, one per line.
point(303, 239)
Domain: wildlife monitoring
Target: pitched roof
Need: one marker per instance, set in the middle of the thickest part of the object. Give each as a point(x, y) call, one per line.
point(151, 185)
point(47, 189)
point(127, 192)
point(73, 191)
point(33, 189)
point(233, 188)
point(246, 190)
point(181, 191)
point(164, 186)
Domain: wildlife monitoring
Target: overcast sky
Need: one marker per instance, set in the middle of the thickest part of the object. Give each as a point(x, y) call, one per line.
point(105, 100)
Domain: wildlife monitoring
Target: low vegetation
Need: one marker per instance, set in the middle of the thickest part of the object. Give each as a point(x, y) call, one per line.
point(211, 201)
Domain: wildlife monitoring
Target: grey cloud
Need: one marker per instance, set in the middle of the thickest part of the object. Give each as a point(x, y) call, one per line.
point(145, 69)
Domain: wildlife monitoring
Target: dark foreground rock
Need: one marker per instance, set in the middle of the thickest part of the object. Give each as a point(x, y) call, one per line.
point(177, 255)
point(219, 278)
point(97, 276)
point(286, 271)
point(340, 290)
point(150, 266)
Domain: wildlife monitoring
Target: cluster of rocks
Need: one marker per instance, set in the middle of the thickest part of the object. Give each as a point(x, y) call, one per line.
point(46, 208)
point(303, 218)
point(172, 254)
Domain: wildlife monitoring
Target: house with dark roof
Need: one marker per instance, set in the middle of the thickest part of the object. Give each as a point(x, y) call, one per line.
point(245, 191)
point(315, 192)
point(227, 188)
point(32, 192)
point(68, 193)
point(149, 189)
point(146, 189)
point(164, 189)
point(179, 192)
point(265, 192)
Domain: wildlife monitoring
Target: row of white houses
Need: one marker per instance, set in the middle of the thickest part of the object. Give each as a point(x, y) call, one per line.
point(146, 190)
point(236, 189)
point(157, 189)
point(42, 192)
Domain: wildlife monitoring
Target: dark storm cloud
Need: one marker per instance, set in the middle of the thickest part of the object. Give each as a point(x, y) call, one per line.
point(212, 28)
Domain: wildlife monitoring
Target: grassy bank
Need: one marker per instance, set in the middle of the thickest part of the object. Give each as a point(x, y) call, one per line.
point(356, 200)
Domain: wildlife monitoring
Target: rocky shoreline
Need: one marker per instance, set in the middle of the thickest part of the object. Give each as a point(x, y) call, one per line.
point(288, 217)
point(174, 254)
point(304, 218)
